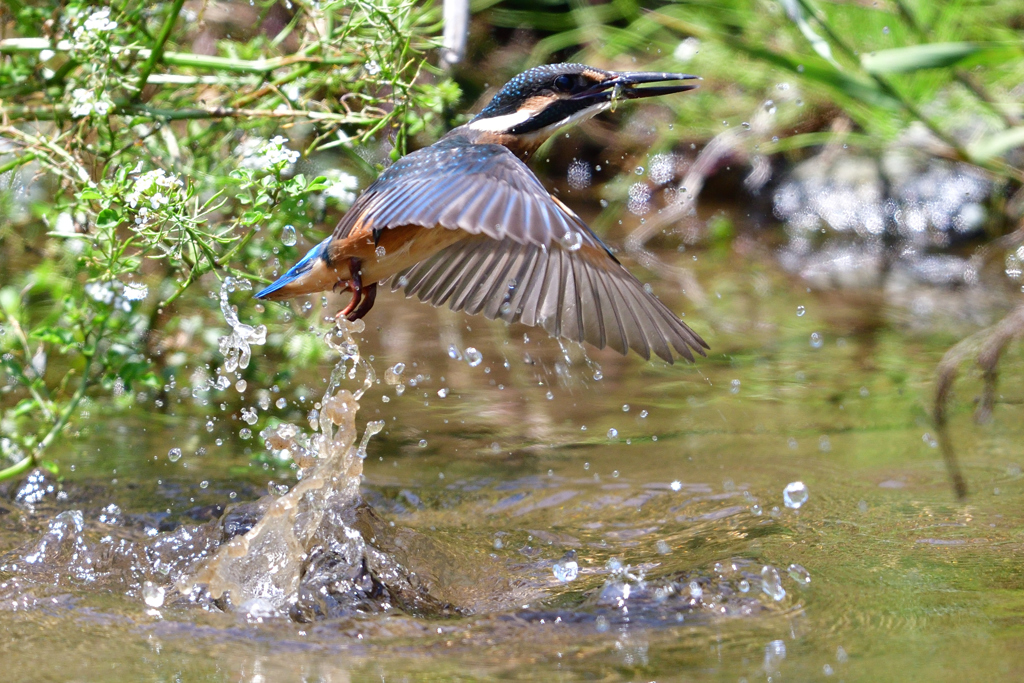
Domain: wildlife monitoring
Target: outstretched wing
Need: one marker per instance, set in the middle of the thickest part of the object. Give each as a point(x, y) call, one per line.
point(481, 189)
point(579, 294)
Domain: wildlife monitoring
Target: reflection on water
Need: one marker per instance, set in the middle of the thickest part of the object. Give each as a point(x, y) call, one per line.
point(780, 508)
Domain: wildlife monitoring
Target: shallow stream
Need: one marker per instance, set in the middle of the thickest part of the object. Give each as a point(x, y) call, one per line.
point(539, 513)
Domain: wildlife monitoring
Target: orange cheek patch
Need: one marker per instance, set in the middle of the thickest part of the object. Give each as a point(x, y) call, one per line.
point(537, 103)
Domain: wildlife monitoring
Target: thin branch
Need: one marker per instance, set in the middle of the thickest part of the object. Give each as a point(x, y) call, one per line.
point(154, 55)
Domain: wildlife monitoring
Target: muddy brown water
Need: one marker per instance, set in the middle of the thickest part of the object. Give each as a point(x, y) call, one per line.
point(665, 479)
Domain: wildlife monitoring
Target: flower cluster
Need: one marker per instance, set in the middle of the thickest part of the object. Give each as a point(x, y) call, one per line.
point(91, 46)
point(90, 31)
point(271, 155)
point(86, 102)
point(106, 292)
point(342, 187)
point(154, 190)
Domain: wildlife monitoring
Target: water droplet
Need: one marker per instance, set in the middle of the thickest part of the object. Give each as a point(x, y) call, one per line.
point(579, 174)
point(795, 494)
point(643, 414)
point(245, 433)
point(625, 408)
point(281, 403)
point(734, 386)
point(423, 443)
point(799, 574)
point(771, 584)
point(453, 352)
point(746, 126)
point(473, 357)
point(696, 592)
point(743, 585)
point(613, 433)
point(381, 252)
point(800, 310)
point(571, 240)
point(152, 594)
point(769, 106)
point(817, 341)
point(249, 416)
point(442, 393)
point(676, 485)
point(566, 569)
point(240, 386)
point(393, 375)
point(885, 30)
point(288, 237)
point(174, 455)
point(756, 510)
point(639, 170)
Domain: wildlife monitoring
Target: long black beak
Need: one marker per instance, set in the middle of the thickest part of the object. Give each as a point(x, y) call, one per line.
point(625, 85)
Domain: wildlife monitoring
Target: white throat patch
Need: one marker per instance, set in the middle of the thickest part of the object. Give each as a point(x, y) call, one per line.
point(501, 124)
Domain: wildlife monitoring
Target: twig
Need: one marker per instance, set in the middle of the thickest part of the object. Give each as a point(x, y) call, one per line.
point(154, 55)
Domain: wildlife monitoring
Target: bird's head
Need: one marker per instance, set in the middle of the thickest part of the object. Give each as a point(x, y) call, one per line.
point(542, 100)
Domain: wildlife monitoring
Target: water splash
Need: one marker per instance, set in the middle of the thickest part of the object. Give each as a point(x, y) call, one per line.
point(262, 571)
point(237, 346)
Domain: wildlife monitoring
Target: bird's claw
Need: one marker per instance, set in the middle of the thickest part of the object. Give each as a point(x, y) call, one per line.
point(362, 297)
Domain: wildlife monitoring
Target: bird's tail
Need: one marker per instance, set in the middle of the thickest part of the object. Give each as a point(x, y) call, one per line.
point(311, 274)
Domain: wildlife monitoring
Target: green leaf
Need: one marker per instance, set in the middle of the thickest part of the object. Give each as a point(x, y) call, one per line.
point(54, 335)
point(252, 217)
point(796, 15)
point(997, 144)
point(917, 57)
point(10, 302)
point(25, 407)
point(108, 218)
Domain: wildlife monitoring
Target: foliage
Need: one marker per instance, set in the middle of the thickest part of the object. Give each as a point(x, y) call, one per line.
point(954, 66)
point(169, 168)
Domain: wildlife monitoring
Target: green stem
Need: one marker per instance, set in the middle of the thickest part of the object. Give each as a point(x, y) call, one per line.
point(154, 55)
point(69, 410)
point(49, 113)
point(185, 59)
point(14, 470)
point(20, 161)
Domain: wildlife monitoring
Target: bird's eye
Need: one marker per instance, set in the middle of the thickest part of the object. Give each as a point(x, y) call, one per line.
point(564, 83)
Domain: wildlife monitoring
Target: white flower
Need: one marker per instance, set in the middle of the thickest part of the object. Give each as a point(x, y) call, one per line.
point(81, 103)
point(65, 225)
point(100, 291)
point(87, 35)
point(135, 291)
point(156, 188)
point(342, 187)
point(259, 155)
point(85, 102)
point(99, 21)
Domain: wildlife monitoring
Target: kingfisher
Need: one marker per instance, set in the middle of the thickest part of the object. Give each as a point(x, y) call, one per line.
point(466, 222)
